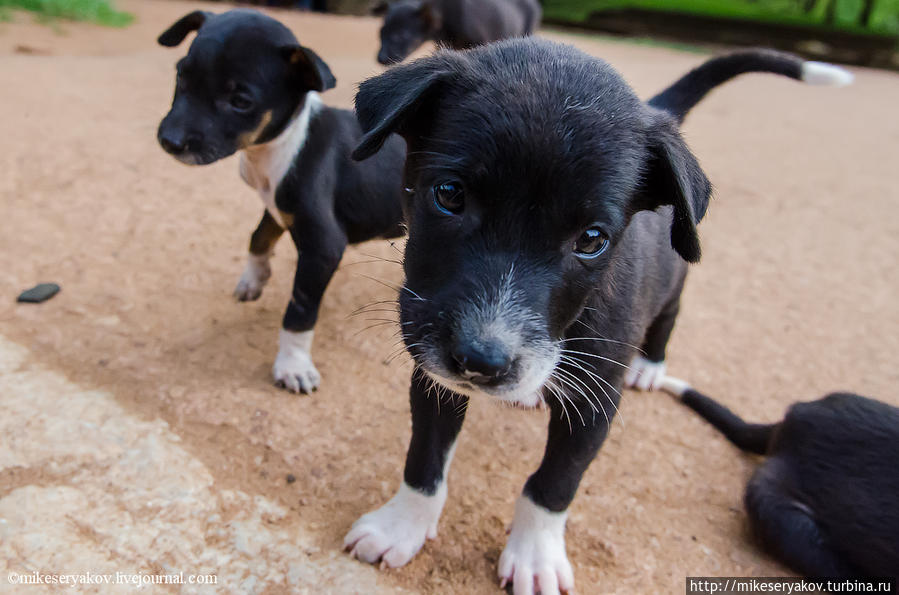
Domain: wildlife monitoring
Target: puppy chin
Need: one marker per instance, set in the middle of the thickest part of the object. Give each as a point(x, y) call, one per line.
point(526, 393)
point(188, 159)
point(204, 158)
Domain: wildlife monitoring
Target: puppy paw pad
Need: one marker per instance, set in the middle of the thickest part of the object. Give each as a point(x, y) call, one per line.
point(534, 559)
point(296, 372)
point(536, 565)
point(645, 374)
point(255, 274)
point(394, 533)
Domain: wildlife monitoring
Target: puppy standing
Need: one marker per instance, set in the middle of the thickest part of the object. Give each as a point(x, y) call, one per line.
point(458, 24)
point(247, 85)
point(825, 500)
point(551, 215)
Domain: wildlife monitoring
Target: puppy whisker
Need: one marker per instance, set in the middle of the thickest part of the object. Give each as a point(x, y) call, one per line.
point(577, 363)
point(578, 391)
point(590, 402)
point(377, 258)
point(599, 334)
point(603, 358)
point(551, 387)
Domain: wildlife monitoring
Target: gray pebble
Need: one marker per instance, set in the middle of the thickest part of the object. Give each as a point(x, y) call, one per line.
point(39, 293)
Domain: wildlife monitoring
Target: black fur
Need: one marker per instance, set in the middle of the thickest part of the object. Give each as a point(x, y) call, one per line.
point(458, 24)
point(545, 144)
point(326, 199)
point(689, 90)
point(824, 501)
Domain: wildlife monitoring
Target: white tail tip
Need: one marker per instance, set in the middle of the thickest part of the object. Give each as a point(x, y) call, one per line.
point(674, 386)
point(822, 73)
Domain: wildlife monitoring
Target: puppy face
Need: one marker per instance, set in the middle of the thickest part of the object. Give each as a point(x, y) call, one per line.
point(242, 80)
point(407, 24)
point(526, 162)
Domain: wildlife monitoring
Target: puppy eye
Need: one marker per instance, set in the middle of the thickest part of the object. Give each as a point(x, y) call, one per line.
point(240, 103)
point(591, 243)
point(449, 198)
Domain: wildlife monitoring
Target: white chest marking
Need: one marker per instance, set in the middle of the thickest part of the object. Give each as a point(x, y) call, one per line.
point(264, 166)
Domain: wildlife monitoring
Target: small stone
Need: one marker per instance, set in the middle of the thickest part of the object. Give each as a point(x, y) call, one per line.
point(39, 293)
point(291, 478)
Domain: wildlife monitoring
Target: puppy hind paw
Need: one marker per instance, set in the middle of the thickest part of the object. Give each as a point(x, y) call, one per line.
point(254, 277)
point(394, 533)
point(645, 374)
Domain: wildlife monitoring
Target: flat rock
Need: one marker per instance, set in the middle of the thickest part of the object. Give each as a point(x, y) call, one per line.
point(39, 293)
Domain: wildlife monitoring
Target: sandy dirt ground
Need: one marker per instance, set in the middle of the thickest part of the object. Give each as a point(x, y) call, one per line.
point(141, 433)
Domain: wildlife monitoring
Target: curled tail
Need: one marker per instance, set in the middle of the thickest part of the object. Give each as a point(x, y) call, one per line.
point(679, 98)
point(753, 438)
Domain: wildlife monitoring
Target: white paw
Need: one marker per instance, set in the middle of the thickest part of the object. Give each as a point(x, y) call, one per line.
point(534, 560)
point(645, 374)
point(293, 367)
point(396, 532)
point(255, 274)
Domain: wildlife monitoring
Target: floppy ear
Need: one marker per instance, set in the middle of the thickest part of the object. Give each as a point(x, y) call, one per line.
point(675, 178)
point(379, 8)
point(177, 32)
point(313, 71)
point(431, 16)
point(391, 101)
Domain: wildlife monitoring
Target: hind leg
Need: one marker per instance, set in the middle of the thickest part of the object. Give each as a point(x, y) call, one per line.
point(786, 527)
point(647, 370)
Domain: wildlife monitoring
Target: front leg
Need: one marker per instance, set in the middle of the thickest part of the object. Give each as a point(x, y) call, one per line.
point(320, 245)
point(396, 532)
point(257, 270)
point(534, 557)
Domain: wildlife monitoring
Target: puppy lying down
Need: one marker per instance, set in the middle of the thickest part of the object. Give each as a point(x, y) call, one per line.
point(551, 216)
point(825, 500)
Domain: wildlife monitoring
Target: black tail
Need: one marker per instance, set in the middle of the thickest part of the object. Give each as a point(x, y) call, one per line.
point(753, 438)
point(679, 98)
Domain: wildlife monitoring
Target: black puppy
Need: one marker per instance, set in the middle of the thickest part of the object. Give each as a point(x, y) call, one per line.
point(825, 500)
point(551, 214)
point(247, 85)
point(459, 24)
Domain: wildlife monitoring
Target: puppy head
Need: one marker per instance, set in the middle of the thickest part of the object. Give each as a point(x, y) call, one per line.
point(526, 162)
point(407, 24)
point(243, 78)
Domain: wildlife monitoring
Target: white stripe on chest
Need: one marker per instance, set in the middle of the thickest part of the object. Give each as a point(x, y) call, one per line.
point(264, 166)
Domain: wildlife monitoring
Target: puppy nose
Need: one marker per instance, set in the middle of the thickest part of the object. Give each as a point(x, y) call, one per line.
point(482, 362)
point(173, 144)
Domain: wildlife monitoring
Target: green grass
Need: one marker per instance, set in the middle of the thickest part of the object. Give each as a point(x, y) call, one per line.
point(884, 16)
point(101, 12)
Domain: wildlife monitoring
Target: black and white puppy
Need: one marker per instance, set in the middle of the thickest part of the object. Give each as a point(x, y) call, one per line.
point(824, 501)
point(551, 215)
point(247, 85)
point(458, 24)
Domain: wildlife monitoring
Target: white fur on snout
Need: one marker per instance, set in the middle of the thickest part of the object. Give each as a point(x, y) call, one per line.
point(293, 367)
point(502, 318)
point(255, 274)
point(644, 374)
point(534, 558)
